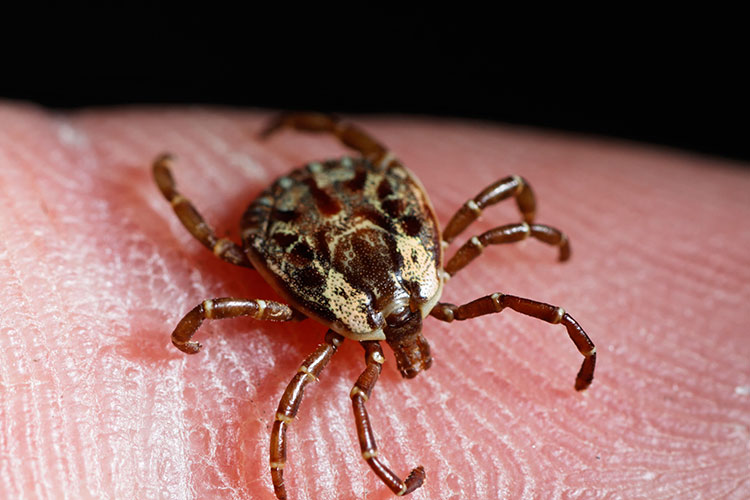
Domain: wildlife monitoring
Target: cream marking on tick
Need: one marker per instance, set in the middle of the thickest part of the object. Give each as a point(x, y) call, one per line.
point(472, 205)
point(261, 308)
point(283, 418)
point(208, 308)
point(496, 300)
point(387, 159)
point(560, 313)
point(520, 183)
point(356, 391)
point(178, 200)
point(304, 369)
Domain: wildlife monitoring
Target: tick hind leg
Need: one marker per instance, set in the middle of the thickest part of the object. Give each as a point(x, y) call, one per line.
point(510, 233)
point(350, 135)
point(192, 220)
point(359, 395)
point(513, 186)
point(290, 402)
point(497, 302)
point(226, 308)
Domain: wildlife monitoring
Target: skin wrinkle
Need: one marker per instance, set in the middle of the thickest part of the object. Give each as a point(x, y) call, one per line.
point(30, 347)
point(663, 405)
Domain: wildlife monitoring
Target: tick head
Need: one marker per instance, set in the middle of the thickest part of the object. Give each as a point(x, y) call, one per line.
point(403, 332)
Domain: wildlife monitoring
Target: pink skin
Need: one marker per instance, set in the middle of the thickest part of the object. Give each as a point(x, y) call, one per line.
point(96, 271)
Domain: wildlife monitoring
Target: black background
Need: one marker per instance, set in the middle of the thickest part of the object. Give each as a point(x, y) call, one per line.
point(668, 80)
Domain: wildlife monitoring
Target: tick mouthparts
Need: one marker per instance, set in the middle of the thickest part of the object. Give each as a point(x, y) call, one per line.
point(412, 355)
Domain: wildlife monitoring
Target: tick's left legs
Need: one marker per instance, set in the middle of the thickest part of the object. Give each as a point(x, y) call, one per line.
point(192, 220)
point(360, 394)
point(225, 308)
point(510, 233)
point(289, 406)
point(551, 314)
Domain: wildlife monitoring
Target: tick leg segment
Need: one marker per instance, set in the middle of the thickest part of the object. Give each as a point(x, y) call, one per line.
point(504, 188)
point(347, 133)
point(507, 234)
point(551, 314)
point(360, 394)
point(192, 220)
point(289, 406)
point(226, 308)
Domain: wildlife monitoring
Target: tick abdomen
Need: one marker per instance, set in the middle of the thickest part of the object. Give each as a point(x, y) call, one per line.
point(347, 242)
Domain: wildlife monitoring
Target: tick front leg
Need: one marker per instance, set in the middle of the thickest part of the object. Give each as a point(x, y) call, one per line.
point(223, 248)
point(496, 302)
point(226, 308)
point(350, 135)
point(507, 234)
point(360, 394)
point(503, 189)
point(289, 406)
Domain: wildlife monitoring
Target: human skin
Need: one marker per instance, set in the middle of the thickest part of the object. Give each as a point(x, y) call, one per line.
point(96, 270)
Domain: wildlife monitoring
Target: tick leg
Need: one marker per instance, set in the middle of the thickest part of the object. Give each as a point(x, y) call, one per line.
point(360, 394)
point(504, 188)
point(192, 220)
point(348, 134)
point(226, 308)
point(289, 406)
point(507, 234)
point(551, 314)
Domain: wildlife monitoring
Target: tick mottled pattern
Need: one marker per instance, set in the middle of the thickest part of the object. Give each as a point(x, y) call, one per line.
point(346, 241)
point(354, 244)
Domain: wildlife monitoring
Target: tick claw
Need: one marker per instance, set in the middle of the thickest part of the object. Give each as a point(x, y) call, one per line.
point(415, 480)
point(188, 347)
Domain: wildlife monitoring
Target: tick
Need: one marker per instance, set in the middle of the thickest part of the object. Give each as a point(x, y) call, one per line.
point(354, 244)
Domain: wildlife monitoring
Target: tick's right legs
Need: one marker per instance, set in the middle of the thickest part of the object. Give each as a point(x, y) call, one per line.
point(513, 186)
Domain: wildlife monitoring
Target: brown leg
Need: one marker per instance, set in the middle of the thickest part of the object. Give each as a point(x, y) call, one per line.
point(504, 188)
point(360, 394)
point(507, 234)
point(192, 220)
point(289, 406)
point(551, 314)
point(348, 134)
point(226, 308)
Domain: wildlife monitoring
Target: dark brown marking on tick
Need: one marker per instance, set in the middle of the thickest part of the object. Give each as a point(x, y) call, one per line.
point(412, 225)
point(377, 218)
point(321, 246)
point(357, 183)
point(284, 215)
point(285, 239)
point(310, 277)
point(384, 189)
point(393, 207)
point(327, 204)
point(301, 254)
point(331, 164)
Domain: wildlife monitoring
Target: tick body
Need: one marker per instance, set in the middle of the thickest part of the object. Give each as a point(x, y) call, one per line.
point(354, 244)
